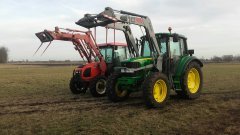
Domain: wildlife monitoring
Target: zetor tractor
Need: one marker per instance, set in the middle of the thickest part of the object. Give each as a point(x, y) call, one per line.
point(101, 58)
point(88, 75)
point(163, 62)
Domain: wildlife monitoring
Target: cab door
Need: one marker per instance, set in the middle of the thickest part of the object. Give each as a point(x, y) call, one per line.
point(120, 54)
point(176, 52)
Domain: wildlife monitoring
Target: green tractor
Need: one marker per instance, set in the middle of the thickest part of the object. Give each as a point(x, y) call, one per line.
point(180, 71)
point(158, 62)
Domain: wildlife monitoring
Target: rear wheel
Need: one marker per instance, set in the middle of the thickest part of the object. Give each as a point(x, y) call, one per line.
point(98, 86)
point(156, 90)
point(115, 92)
point(191, 82)
point(76, 86)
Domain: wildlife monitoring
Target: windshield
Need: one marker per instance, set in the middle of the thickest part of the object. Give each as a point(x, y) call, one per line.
point(107, 54)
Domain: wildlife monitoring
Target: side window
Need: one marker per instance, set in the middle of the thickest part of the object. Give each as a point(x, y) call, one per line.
point(163, 45)
point(107, 54)
point(146, 49)
point(182, 45)
point(175, 49)
point(120, 53)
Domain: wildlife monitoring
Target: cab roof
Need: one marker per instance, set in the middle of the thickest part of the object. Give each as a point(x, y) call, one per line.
point(112, 44)
point(168, 34)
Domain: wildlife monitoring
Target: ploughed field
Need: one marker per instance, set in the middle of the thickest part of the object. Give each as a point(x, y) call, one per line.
point(35, 99)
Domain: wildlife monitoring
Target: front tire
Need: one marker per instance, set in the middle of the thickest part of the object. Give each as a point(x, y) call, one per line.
point(156, 90)
point(76, 86)
point(191, 82)
point(114, 92)
point(98, 87)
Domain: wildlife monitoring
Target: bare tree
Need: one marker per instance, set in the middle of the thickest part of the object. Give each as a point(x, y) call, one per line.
point(3, 54)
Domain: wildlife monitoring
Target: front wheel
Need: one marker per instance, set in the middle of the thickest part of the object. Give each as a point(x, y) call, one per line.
point(98, 86)
point(76, 86)
point(115, 92)
point(191, 82)
point(156, 90)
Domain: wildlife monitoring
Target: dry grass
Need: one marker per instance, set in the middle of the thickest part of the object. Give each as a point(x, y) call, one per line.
point(37, 100)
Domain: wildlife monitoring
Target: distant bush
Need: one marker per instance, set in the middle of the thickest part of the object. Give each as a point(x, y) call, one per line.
point(3, 55)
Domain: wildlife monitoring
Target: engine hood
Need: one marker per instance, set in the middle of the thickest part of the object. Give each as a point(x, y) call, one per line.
point(140, 61)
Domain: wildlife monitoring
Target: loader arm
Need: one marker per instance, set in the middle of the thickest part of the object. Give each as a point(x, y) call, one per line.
point(128, 35)
point(83, 41)
point(110, 15)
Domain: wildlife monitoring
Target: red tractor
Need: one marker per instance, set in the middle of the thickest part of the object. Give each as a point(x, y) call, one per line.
point(90, 75)
point(101, 59)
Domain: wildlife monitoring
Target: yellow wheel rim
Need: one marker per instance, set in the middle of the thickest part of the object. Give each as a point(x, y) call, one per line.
point(160, 91)
point(119, 92)
point(193, 80)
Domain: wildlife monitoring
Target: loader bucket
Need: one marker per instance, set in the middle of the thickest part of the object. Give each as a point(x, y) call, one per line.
point(44, 36)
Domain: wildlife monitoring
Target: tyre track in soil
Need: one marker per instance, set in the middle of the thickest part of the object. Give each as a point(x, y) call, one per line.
point(82, 107)
point(49, 102)
point(72, 100)
point(90, 103)
point(84, 104)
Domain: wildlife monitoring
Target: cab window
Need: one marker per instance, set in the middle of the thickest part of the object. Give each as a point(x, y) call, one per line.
point(182, 46)
point(163, 45)
point(175, 49)
point(146, 49)
point(107, 54)
point(120, 53)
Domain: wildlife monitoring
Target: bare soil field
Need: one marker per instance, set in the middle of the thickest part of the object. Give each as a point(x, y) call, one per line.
point(35, 99)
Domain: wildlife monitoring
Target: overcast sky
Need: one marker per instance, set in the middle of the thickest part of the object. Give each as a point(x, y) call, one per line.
point(212, 26)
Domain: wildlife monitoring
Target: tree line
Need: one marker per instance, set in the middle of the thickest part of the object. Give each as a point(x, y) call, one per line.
point(224, 58)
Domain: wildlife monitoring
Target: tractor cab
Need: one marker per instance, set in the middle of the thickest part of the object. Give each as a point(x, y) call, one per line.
point(172, 47)
point(114, 54)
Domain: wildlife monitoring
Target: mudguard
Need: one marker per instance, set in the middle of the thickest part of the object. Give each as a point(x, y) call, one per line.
point(181, 67)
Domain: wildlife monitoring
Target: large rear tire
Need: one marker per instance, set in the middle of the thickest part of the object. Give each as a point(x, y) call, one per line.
point(156, 90)
point(76, 86)
point(98, 86)
point(114, 92)
point(191, 82)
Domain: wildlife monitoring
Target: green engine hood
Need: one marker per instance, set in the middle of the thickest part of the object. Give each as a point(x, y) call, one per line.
point(143, 61)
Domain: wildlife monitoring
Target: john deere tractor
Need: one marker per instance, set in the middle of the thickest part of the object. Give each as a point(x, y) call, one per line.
point(161, 62)
point(180, 71)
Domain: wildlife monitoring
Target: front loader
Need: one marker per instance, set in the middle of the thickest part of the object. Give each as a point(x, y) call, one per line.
point(161, 62)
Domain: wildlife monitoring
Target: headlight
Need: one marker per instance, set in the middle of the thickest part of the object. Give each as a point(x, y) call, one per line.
point(132, 65)
point(127, 70)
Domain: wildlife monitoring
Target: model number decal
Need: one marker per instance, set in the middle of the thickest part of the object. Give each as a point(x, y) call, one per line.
point(136, 20)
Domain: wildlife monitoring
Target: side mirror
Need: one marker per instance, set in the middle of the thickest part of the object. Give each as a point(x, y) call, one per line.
point(191, 52)
point(175, 37)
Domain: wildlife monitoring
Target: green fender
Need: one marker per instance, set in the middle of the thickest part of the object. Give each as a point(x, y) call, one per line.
point(181, 67)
